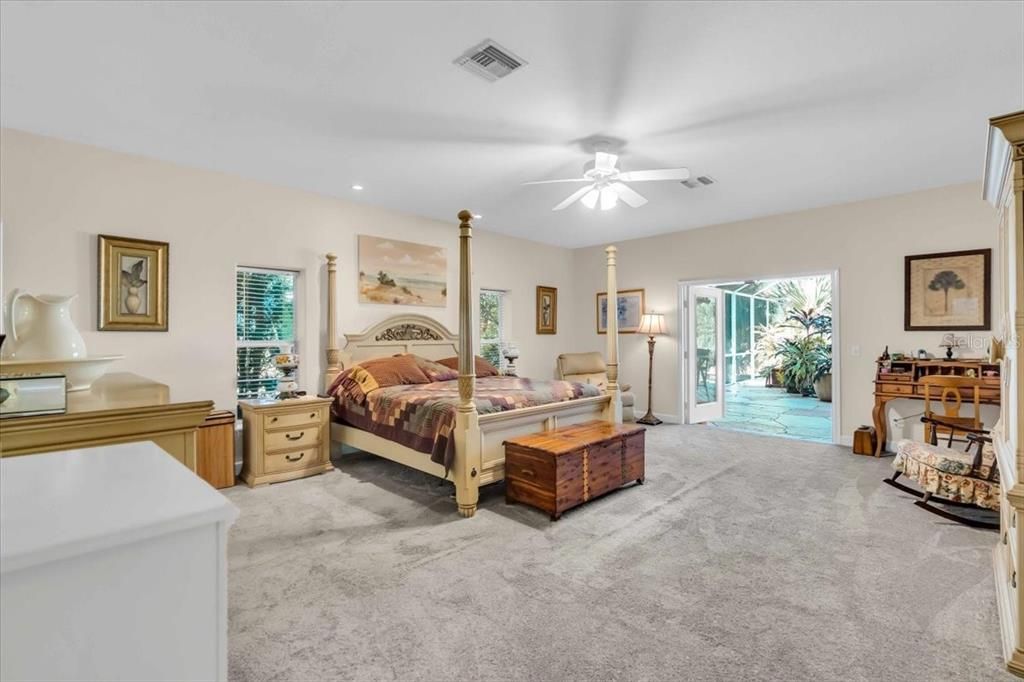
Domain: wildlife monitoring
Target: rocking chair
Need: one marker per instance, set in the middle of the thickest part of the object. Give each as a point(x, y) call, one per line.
point(947, 476)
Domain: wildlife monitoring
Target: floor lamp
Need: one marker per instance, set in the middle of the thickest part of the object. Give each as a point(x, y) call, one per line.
point(651, 324)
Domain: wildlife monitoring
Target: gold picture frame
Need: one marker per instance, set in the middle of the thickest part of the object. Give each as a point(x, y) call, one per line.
point(630, 306)
point(950, 291)
point(132, 284)
point(547, 310)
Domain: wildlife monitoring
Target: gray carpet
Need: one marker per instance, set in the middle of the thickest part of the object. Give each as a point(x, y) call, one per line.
point(743, 557)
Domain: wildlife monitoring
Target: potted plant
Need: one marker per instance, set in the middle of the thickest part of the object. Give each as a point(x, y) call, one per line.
point(799, 361)
point(823, 374)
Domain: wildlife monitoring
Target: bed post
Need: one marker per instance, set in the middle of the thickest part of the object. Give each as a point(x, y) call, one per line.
point(333, 352)
point(614, 413)
point(468, 464)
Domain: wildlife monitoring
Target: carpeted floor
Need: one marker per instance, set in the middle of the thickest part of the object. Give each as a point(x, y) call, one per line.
point(743, 557)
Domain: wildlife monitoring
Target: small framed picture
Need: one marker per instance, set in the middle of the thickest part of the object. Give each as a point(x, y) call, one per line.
point(132, 284)
point(630, 307)
point(547, 310)
point(948, 291)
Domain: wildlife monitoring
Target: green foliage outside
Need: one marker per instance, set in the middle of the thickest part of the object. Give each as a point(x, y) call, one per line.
point(490, 327)
point(800, 345)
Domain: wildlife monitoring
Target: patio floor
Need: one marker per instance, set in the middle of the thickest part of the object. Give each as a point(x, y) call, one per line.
point(749, 406)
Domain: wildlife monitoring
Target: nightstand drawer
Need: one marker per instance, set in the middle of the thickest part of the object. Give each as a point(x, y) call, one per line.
point(291, 460)
point(300, 436)
point(309, 416)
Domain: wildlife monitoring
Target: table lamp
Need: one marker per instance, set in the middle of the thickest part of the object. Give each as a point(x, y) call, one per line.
point(651, 324)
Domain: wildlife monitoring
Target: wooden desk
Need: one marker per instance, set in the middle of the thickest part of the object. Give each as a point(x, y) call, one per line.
point(903, 381)
point(119, 408)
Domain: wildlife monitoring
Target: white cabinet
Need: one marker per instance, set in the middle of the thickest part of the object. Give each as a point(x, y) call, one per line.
point(1004, 189)
point(112, 566)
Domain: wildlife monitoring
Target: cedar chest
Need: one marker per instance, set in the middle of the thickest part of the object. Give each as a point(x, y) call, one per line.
point(561, 469)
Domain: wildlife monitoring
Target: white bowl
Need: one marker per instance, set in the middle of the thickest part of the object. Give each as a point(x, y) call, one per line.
point(80, 373)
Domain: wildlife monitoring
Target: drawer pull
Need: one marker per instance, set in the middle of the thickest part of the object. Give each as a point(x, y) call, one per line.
point(295, 459)
point(273, 420)
point(312, 415)
point(1013, 579)
point(527, 472)
point(291, 437)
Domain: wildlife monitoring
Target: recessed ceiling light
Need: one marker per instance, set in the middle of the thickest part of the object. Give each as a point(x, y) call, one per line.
point(357, 187)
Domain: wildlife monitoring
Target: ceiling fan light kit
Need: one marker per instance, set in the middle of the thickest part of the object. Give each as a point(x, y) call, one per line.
point(607, 183)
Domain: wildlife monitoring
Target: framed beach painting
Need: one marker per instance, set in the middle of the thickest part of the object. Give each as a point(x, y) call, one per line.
point(393, 272)
point(132, 285)
point(630, 308)
point(547, 310)
point(948, 291)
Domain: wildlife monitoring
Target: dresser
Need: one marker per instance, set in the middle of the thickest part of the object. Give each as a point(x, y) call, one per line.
point(113, 566)
point(1004, 189)
point(285, 439)
point(119, 408)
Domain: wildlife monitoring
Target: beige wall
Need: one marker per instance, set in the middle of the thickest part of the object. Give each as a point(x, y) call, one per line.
point(865, 241)
point(56, 196)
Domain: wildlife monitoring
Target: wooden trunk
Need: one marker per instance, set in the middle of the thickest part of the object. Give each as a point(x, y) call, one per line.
point(561, 469)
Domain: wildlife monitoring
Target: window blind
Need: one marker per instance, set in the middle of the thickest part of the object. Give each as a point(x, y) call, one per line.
point(264, 324)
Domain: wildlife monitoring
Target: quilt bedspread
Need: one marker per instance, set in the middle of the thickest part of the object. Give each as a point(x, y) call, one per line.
point(422, 416)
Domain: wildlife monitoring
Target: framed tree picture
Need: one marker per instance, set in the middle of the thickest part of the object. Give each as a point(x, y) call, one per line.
point(630, 308)
point(132, 284)
point(547, 310)
point(948, 291)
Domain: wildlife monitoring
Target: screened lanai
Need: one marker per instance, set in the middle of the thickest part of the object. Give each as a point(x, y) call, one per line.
point(764, 321)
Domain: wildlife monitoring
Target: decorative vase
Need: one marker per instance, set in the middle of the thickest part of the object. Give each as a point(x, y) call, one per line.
point(41, 329)
point(132, 301)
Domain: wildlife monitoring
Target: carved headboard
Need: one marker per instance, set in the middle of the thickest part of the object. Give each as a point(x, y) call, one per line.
point(409, 333)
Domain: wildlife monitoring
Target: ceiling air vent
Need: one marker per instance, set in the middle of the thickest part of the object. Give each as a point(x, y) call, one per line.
point(489, 60)
point(694, 183)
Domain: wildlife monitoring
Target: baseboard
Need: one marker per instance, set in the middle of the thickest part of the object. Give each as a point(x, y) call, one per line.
point(846, 440)
point(1007, 613)
point(668, 418)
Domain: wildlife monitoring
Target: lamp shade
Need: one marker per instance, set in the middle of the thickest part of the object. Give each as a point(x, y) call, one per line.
point(652, 324)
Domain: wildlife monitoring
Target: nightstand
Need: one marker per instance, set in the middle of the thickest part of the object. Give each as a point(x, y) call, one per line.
point(285, 439)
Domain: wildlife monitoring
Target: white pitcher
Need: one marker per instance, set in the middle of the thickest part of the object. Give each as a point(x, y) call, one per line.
point(41, 329)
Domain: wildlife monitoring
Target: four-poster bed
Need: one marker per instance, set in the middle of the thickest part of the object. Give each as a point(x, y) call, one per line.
point(479, 457)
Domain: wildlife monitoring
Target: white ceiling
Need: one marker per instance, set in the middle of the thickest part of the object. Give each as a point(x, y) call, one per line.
point(788, 106)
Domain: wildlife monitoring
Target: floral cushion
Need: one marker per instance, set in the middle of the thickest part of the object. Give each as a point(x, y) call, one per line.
point(947, 473)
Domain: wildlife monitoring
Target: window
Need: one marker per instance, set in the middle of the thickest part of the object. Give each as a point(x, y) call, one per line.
point(264, 324)
point(492, 325)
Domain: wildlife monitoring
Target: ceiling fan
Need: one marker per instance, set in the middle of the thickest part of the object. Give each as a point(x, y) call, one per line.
point(607, 183)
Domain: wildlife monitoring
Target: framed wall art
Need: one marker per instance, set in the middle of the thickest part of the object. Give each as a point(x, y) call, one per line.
point(630, 308)
point(547, 310)
point(948, 291)
point(132, 284)
point(394, 272)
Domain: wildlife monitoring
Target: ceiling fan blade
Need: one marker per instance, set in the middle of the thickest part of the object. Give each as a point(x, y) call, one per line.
point(603, 161)
point(628, 194)
point(662, 174)
point(573, 198)
point(549, 182)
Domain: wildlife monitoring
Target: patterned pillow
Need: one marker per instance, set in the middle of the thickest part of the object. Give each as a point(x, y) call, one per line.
point(435, 371)
point(483, 368)
point(358, 380)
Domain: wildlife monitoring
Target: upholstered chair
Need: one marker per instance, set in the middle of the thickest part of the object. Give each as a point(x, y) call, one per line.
point(589, 368)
